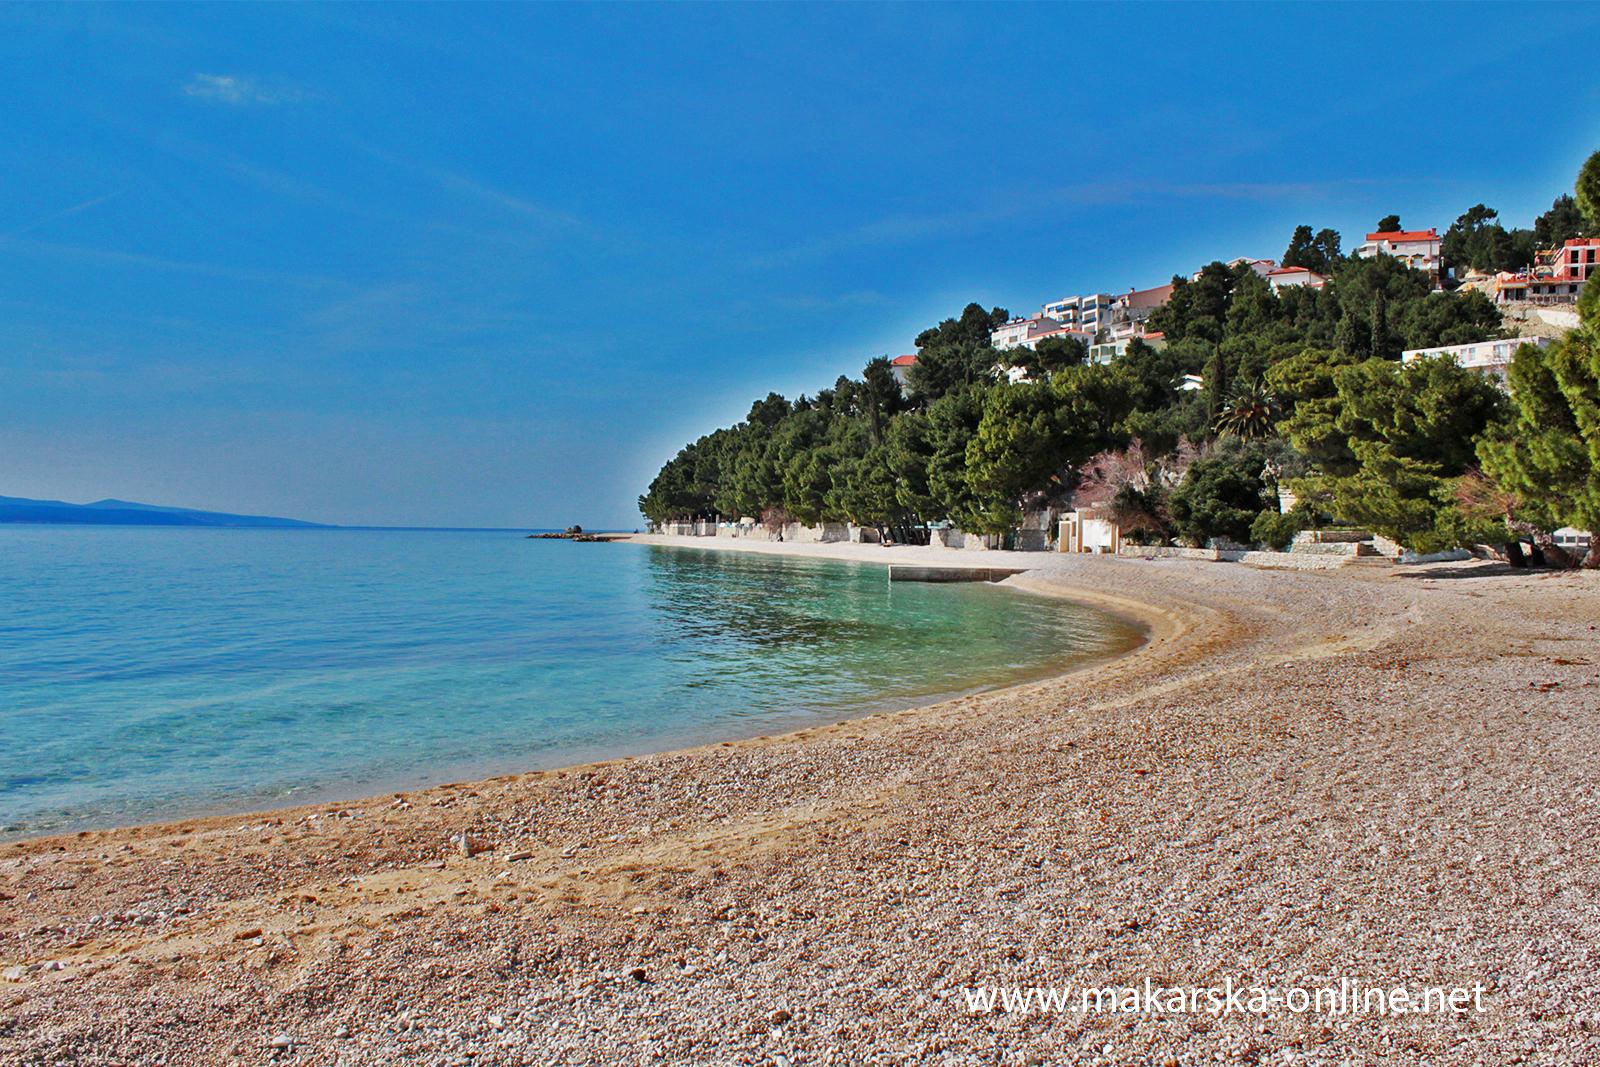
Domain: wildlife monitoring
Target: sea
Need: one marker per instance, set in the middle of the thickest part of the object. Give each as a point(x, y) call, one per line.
point(150, 674)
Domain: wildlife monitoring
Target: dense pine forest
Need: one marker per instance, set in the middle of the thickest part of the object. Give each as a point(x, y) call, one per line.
point(1303, 391)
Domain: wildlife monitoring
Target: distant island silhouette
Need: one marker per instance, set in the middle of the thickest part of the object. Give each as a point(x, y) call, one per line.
point(111, 512)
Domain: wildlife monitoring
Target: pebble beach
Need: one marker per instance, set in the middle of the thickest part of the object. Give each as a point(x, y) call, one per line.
point(1376, 773)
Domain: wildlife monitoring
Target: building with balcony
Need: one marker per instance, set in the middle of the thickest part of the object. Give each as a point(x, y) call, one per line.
point(1557, 276)
point(1578, 258)
point(1418, 249)
point(1485, 357)
point(1027, 333)
point(1109, 351)
point(1087, 314)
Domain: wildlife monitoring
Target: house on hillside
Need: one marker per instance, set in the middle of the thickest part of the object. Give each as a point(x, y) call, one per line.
point(1287, 277)
point(1486, 357)
point(1578, 258)
point(900, 367)
point(1262, 267)
point(1510, 287)
point(1558, 274)
point(1135, 305)
point(1418, 249)
point(1027, 333)
point(1108, 351)
point(1556, 277)
point(1085, 314)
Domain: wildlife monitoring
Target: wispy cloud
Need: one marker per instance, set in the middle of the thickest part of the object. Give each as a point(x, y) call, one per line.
point(543, 218)
point(115, 257)
point(517, 205)
point(909, 229)
point(240, 91)
point(63, 213)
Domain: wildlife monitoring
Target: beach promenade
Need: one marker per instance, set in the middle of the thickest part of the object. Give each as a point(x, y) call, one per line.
point(1382, 775)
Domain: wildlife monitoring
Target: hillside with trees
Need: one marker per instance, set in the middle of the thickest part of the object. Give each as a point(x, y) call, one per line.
point(1302, 390)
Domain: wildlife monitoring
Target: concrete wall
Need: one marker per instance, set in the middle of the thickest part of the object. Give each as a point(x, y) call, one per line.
point(1330, 537)
point(1305, 561)
point(950, 537)
point(1028, 540)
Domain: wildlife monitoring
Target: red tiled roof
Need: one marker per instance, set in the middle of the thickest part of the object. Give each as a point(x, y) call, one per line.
point(1402, 236)
point(1293, 270)
point(903, 361)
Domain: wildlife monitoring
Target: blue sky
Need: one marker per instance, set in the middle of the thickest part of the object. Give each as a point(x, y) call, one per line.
point(491, 266)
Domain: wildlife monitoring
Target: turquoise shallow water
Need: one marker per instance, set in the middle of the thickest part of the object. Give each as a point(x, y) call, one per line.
point(159, 673)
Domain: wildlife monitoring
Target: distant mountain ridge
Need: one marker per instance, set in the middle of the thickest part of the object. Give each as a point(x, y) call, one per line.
point(112, 512)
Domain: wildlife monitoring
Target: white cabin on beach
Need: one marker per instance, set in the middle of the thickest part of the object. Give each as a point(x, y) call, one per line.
point(1088, 530)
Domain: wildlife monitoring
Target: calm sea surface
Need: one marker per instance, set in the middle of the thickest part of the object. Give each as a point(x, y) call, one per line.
point(159, 673)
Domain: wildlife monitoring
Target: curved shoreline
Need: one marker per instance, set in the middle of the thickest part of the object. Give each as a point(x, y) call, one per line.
point(1137, 617)
point(1234, 797)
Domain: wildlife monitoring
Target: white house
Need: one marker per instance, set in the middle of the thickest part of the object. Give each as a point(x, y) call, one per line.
point(1262, 267)
point(1024, 333)
point(1485, 357)
point(900, 367)
point(1027, 333)
point(1286, 277)
point(1419, 249)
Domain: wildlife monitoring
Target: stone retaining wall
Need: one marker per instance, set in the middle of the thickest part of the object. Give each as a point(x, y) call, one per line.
point(1303, 558)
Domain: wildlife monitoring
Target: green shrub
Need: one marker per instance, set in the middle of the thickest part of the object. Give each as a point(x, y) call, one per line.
point(1276, 530)
point(1221, 496)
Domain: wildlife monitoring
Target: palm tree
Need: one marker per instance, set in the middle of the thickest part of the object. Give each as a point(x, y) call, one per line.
point(1249, 414)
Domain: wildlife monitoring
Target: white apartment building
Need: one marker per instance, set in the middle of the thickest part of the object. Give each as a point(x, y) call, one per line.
point(1027, 333)
point(1485, 357)
point(1085, 313)
point(1023, 333)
